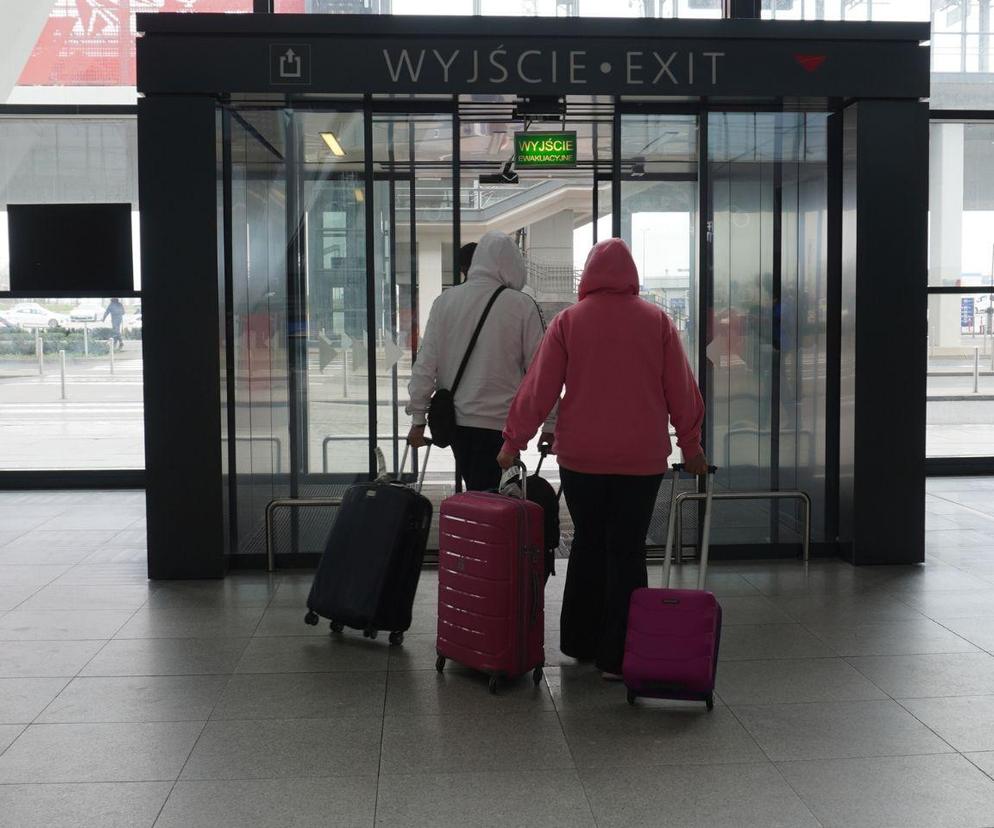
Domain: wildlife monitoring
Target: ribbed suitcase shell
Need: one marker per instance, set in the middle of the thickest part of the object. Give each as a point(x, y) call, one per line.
point(369, 572)
point(491, 576)
point(671, 650)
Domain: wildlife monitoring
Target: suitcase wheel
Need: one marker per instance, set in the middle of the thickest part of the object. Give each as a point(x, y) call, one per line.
point(370, 633)
point(440, 663)
point(537, 674)
point(709, 701)
point(396, 638)
point(337, 626)
point(631, 697)
point(493, 685)
point(311, 619)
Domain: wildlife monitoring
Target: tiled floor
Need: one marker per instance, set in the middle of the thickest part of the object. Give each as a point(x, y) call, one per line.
point(847, 697)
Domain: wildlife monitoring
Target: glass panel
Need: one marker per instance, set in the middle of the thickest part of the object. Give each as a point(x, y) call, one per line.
point(856, 10)
point(961, 375)
point(961, 208)
point(83, 413)
point(65, 160)
point(259, 309)
point(767, 350)
point(89, 45)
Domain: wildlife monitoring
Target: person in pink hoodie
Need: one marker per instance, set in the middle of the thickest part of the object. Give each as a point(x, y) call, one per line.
point(626, 378)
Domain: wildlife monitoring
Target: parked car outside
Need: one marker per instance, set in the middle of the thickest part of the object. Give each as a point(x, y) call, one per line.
point(87, 312)
point(32, 316)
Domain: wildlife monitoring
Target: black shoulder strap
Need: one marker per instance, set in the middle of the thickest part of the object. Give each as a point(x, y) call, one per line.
point(476, 336)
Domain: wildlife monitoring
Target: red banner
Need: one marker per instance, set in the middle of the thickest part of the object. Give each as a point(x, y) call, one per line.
point(92, 42)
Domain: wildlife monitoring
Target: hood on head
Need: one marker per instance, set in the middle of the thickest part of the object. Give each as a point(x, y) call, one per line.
point(610, 268)
point(497, 257)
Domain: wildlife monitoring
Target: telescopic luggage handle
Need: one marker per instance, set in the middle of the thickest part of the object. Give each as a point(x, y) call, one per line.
point(424, 466)
point(705, 530)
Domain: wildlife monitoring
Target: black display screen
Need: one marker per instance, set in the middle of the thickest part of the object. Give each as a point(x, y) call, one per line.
point(68, 248)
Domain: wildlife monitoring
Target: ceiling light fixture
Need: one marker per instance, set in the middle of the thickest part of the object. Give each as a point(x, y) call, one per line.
point(333, 144)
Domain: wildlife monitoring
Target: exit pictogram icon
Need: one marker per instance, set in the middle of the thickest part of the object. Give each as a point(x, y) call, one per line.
point(810, 63)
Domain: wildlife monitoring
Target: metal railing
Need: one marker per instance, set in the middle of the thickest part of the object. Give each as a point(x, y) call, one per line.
point(787, 494)
point(289, 503)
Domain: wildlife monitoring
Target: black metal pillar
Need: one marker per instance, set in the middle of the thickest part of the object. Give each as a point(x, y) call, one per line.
point(883, 337)
point(185, 504)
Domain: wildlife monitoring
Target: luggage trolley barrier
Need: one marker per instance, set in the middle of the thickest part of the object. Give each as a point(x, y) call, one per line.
point(676, 511)
point(304, 502)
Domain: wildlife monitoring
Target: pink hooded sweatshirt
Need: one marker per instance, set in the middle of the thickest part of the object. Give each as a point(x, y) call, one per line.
point(625, 373)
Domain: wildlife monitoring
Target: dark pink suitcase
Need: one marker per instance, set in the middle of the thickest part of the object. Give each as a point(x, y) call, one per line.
point(671, 649)
point(491, 581)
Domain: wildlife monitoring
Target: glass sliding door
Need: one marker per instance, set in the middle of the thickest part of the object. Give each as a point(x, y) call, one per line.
point(766, 351)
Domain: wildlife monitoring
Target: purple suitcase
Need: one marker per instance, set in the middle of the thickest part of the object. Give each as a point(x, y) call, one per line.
point(671, 649)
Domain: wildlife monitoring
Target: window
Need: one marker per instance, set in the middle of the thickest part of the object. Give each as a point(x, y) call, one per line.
point(961, 287)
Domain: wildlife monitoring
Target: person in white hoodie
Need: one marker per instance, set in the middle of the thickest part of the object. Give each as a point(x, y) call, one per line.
point(508, 341)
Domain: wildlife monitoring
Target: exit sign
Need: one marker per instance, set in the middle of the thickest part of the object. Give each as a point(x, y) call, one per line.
point(544, 149)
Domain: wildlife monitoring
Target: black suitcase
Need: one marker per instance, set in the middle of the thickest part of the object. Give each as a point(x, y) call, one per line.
point(369, 572)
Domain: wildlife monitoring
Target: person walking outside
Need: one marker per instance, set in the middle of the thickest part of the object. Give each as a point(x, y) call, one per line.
point(626, 377)
point(507, 342)
point(115, 310)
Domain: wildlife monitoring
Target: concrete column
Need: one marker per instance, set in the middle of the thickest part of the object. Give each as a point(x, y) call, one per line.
point(23, 21)
point(550, 241)
point(946, 149)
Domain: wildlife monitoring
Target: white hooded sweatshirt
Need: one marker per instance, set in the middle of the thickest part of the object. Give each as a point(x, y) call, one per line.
point(507, 343)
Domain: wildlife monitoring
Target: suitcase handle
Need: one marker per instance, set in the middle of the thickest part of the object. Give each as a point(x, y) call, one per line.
point(521, 471)
point(424, 466)
point(705, 530)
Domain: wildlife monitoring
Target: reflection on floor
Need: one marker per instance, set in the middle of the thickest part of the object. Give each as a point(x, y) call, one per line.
point(848, 697)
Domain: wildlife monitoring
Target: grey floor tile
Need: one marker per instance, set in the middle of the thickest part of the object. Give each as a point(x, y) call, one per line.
point(966, 722)
point(648, 735)
point(234, 622)
point(751, 610)
point(821, 578)
point(960, 604)
point(911, 792)
point(722, 584)
point(791, 681)
point(733, 796)
point(926, 676)
point(35, 552)
point(913, 637)
point(462, 692)
point(132, 573)
point(92, 805)
point(984, 761)
point(58, 625)
point(450, 744)
point(45, 659)
point(71, 598)
point(314, 654)
point(167, 657)
point(766, 641)
point(836, 730)
point(22, 699)
point(915, 581)
point(550, 798)
point(845, 609)
point(579, 687)
point(978, 631)
point(13, 596)
point(418, 653)
point(286, 748)
point(302, 696)
point(233, 591)
point(8, 733)
point(116, 555)
point(30, 574)
point(338, 802)
point(136, 699)
point(289, 621)
point(145, 752)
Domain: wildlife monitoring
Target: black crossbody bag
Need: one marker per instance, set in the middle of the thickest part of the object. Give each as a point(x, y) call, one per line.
point(442, 408)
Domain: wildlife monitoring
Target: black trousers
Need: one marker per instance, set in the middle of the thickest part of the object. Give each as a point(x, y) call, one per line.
point(476, 451)
point(611, 515)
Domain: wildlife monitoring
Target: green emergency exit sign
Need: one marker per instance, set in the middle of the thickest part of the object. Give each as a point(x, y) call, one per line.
point(544, 149)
